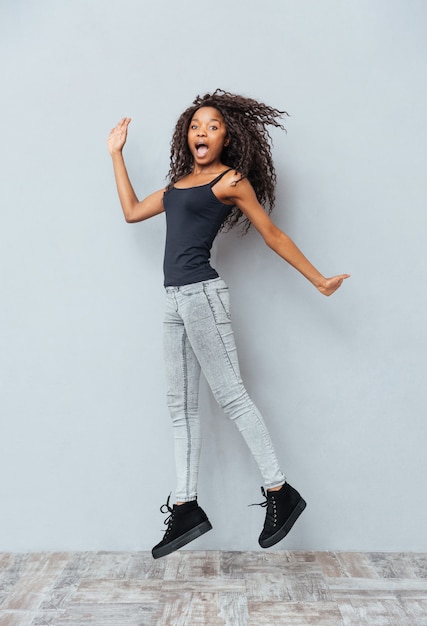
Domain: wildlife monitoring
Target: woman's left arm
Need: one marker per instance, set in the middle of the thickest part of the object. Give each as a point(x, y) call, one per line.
point(244, 197)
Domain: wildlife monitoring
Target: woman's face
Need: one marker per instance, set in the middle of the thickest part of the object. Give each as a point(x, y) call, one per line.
point(207, 136)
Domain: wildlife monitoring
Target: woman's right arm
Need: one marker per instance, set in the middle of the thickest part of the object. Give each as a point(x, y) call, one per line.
point(133, 209)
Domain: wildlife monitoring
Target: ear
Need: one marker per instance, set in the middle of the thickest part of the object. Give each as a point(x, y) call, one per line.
point(226, 142)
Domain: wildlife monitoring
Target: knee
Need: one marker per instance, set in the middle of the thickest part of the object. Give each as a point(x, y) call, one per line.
point(181, 410)
point(235, 405)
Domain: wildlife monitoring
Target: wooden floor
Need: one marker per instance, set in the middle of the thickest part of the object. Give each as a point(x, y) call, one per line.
point(190, 588)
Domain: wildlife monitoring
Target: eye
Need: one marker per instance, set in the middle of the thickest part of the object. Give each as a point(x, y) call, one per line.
point(193, 126)
point(213, 127)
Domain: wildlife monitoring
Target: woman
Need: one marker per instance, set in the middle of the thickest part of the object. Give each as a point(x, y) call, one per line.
point(221, 173)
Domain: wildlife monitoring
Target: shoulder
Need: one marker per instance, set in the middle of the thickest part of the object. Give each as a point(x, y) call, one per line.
point(238, 191)
point(230, 181)
point(234, 187)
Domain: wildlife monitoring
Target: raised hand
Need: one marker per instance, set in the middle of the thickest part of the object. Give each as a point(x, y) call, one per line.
point(330, 285)
point(118, 135)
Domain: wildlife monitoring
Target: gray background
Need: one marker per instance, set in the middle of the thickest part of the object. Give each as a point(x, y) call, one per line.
point(85, 452)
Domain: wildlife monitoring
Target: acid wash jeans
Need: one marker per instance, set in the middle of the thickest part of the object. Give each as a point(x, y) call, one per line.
point(198, 337)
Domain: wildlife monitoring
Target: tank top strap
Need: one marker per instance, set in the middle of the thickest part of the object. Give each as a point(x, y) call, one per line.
point(218, 178)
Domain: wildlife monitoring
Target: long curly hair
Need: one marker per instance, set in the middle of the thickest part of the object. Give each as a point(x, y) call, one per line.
point(248, 151)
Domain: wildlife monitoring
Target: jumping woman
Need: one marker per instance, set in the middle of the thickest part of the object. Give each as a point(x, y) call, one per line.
point(221, 174)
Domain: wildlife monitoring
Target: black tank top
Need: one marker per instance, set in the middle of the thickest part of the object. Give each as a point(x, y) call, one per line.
point(193, 218)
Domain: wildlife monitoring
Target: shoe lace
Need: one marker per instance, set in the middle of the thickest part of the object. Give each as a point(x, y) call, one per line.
point(271, 505)
point(265, 503)
point(165, 508)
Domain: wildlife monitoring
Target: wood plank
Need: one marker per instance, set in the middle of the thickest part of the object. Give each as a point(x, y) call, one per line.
point(307, 587)
point(378, 612)
point(356, 565)
point(190, 608)
point(36, 578)
point(294, 614)
point(267, 586)
point(189, 565)
point(174, 608)
point(107, 565)
point(381, 588)
point(11, 568)
point(107, 615)
point(399, 565)
point(205, 586)
point(237, 564)
point(16, 618)
point(418, 564)
point(330, 565)
point(6, 561)
point(121, 565)
point(117, 591)
point(142, 566)
point(233, 608)
point(415, 610)
point(45, 618)
point(76, 567)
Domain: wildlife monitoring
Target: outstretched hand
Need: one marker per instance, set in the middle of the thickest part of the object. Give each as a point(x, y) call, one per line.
point(330, 285)
point(118, 135)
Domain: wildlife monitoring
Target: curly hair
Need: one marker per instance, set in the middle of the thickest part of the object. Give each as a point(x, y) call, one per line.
point(249, 149)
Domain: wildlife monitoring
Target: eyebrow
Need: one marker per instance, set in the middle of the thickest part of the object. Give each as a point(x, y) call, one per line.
point(213, 119)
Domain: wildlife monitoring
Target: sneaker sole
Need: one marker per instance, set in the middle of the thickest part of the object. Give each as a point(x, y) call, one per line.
point(284, 530)
point(181, 541)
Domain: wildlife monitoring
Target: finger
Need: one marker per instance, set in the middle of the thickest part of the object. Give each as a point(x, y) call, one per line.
point(340, 277)
point(120, 124)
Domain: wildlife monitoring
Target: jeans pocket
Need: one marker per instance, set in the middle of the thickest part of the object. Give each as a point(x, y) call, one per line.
point(224, 298)
point(223, 313)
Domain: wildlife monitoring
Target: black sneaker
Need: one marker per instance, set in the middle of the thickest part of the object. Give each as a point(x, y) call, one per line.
point(185, 523)
point(283, 509)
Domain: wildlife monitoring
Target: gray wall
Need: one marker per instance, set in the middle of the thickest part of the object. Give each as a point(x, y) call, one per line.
point(85, 452)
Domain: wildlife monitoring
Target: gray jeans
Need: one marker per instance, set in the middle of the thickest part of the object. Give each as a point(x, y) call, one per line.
point(198, 337)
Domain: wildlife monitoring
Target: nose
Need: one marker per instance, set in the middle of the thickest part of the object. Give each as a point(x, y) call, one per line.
point(201, 131)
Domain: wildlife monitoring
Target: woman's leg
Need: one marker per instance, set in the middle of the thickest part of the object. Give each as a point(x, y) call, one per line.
point(206, 315)
point(182, 376)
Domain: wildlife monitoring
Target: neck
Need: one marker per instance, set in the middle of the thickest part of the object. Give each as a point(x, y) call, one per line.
point(212, 168)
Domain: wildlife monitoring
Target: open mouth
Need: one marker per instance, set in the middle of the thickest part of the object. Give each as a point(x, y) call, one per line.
point(201, 149)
